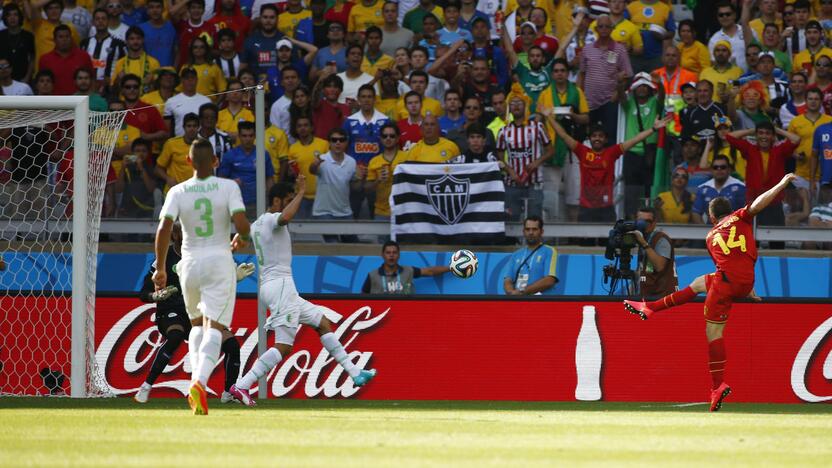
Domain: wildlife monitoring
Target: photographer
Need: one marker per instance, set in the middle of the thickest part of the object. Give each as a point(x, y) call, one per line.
point(656, 269)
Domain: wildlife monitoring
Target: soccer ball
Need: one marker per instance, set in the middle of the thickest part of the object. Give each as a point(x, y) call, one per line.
point(464, 263)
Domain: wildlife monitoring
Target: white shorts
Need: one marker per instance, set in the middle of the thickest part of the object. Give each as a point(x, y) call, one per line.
point(209, 287)
point(288, 311)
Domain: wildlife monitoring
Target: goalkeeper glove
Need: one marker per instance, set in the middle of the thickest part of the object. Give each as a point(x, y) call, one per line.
point(244, 270)
point(160, 296)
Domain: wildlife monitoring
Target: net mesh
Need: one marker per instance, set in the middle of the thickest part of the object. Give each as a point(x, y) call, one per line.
point(36, 216)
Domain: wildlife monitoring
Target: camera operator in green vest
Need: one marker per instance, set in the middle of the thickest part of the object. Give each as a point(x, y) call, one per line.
point(656, 257)
point(392, 278)
point(572, 113)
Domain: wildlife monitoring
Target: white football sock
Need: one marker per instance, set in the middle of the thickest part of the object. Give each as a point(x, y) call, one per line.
point(337, 351)
point(262, 366)
point(194, 340)
point(209, 352)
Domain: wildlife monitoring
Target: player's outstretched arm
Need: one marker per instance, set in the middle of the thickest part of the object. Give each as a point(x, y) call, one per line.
point(160, 277)
point(292, 208)
point(761, 202)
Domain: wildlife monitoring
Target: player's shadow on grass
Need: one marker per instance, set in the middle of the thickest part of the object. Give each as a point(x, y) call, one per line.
point(179, 404)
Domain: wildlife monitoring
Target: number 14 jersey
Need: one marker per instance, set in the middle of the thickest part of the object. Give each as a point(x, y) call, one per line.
point(732, 246)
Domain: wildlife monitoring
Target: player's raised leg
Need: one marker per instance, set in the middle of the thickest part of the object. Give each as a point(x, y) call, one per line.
point(646, 309)
point(330, 342)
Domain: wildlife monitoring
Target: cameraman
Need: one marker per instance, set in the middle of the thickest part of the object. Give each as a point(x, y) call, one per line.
point(656, 268)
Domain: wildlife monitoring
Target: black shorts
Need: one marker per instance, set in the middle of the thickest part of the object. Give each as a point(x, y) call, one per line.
point(167, 317)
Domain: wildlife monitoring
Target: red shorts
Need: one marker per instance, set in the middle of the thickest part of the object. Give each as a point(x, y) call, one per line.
point(721, 295)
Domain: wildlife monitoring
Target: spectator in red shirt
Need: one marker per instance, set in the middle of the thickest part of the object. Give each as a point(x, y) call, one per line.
point(765, 165)
point(230, 16)
point(145, 117)
point(64, 61)
point(189, 25)
point(598, 167)
point(339, 12)
point(327, 112)
point(410, 129)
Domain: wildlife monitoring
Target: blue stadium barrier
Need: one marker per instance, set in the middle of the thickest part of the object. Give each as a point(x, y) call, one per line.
point(579, 274)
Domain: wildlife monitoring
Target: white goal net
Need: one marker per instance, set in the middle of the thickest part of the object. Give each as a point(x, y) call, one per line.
point(55, 173)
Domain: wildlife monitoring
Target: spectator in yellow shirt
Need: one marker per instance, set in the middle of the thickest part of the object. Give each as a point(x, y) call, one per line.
point(234, 112)
point(432, 148)
point(277, 145)
point(374, 58)
point(674, 205)
point(722, 71)
point(136, 62)
point(430, 106)
point(695, 55)
point(166, 82)
point(209, 76)
point(288, 19)
point(364, 14)
point(302, 154)
point(173, 165)
point(805, 59)
point(380, 170)
point(124, 139)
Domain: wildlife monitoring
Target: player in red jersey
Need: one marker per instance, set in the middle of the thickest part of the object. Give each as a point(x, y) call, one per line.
point(732, 247)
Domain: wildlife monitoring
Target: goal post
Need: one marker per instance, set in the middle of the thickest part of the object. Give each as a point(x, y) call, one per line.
point(67, 125)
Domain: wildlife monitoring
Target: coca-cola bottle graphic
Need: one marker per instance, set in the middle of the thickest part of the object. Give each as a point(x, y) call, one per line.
point(588, 358)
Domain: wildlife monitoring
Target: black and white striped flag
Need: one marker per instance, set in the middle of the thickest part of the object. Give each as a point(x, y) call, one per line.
point(448, 203)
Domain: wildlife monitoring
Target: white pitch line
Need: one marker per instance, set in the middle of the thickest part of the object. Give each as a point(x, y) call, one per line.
point(680, 405)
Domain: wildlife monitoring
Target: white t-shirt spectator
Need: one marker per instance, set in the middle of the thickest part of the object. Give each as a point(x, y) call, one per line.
point(332, 196)
point(180, 105)
point(17, 89)
point(351, 86)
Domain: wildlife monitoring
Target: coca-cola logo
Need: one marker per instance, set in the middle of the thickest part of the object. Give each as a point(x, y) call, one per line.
point(804, 359)
point(126, 353)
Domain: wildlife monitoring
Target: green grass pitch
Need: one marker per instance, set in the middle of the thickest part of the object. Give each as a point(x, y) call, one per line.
point(336, 433)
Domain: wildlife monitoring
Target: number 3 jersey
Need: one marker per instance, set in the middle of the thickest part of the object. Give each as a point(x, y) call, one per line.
point(732, 247)
point(204, 207)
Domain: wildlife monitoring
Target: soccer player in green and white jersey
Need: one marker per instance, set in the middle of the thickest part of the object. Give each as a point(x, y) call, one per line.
point(273, 245)
point(206, 206)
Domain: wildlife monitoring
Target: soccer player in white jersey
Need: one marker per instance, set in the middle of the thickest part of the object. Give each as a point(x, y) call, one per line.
point(277, 290)
point(206, 206)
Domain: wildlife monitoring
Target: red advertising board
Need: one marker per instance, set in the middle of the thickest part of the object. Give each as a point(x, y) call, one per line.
point(506, 350)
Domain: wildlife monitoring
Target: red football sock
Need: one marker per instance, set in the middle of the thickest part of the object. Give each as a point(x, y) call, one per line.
point(716, 361)
point(672, 300)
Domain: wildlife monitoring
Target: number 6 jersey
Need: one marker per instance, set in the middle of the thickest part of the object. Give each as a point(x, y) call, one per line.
point(204, 207)
point(732, 246)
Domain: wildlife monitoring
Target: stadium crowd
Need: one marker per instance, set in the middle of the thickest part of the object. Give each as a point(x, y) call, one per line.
point(724, 103)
